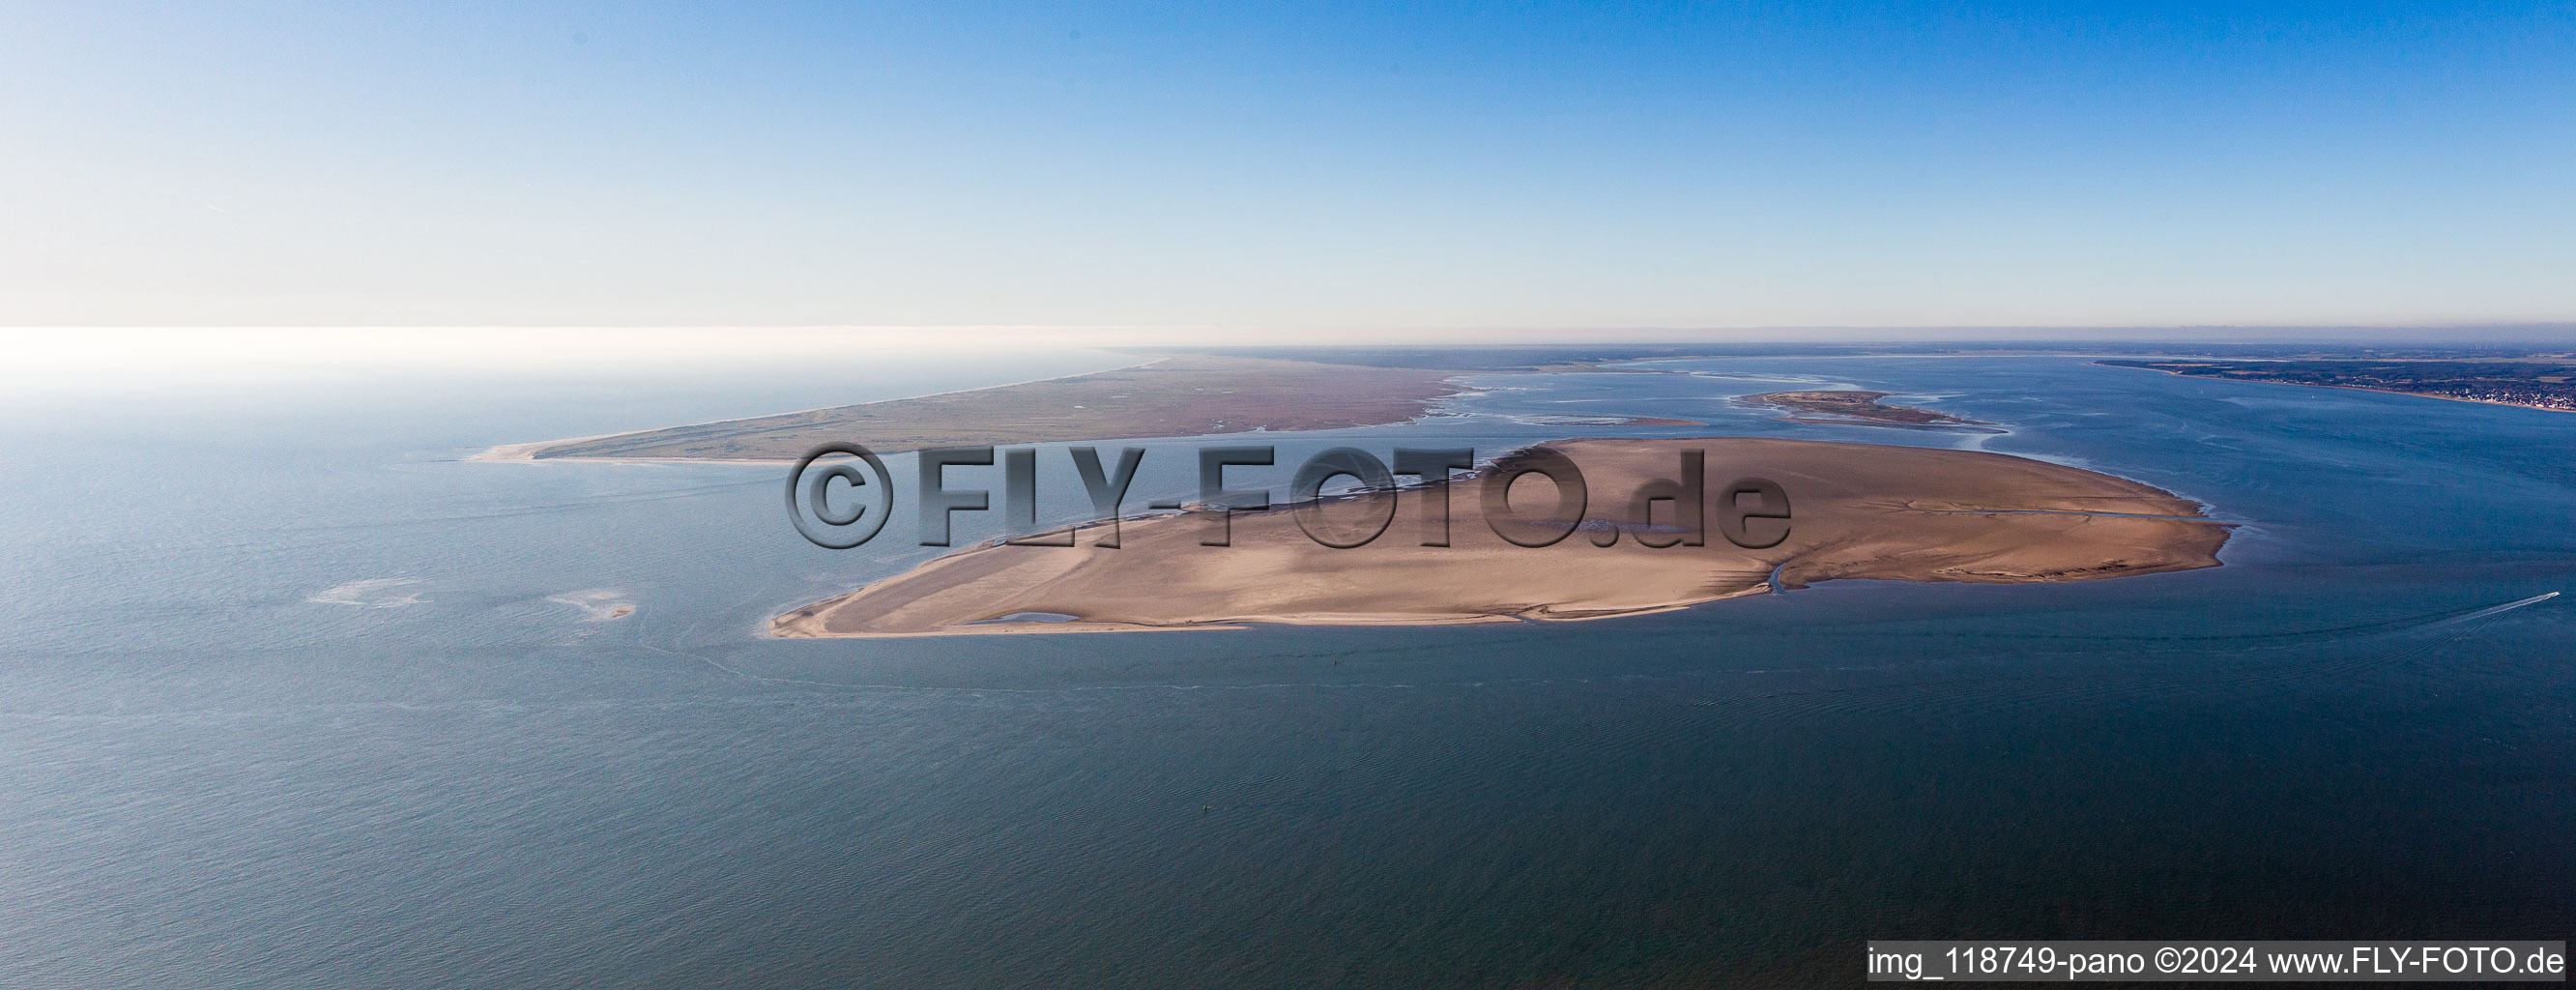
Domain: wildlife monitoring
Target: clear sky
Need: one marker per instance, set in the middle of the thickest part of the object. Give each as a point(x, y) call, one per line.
point(1275, 167)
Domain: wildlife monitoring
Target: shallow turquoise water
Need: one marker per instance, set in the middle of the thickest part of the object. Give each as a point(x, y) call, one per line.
point(231, 761)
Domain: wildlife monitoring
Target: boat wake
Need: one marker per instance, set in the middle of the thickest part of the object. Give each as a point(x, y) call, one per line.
point(2494, 610)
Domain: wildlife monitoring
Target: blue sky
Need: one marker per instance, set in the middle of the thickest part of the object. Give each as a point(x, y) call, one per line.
point(1282, 167)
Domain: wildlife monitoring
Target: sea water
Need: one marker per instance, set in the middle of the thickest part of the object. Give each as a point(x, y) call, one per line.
point(292, 694)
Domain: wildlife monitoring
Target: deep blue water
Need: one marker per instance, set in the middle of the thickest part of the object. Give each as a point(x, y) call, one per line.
point(290, 700)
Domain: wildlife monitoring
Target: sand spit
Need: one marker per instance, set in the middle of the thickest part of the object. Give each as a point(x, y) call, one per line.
point(370, 593)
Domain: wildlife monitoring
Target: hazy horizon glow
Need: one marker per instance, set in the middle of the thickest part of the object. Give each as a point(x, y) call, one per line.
point(1313, 171)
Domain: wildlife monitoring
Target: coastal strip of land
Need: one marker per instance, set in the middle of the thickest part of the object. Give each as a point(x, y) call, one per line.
point(1857, 511)
point(1183, 395)
point(2531, 384)
point(1852, 404)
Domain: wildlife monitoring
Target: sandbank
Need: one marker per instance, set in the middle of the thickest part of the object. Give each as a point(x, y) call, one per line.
point(1858, 511)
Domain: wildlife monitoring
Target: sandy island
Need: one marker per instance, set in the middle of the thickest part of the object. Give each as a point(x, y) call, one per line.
point(1855, 405)
point(1859, 511)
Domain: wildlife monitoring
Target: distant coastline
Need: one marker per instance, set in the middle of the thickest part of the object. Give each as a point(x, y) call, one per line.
point(2549, 393)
